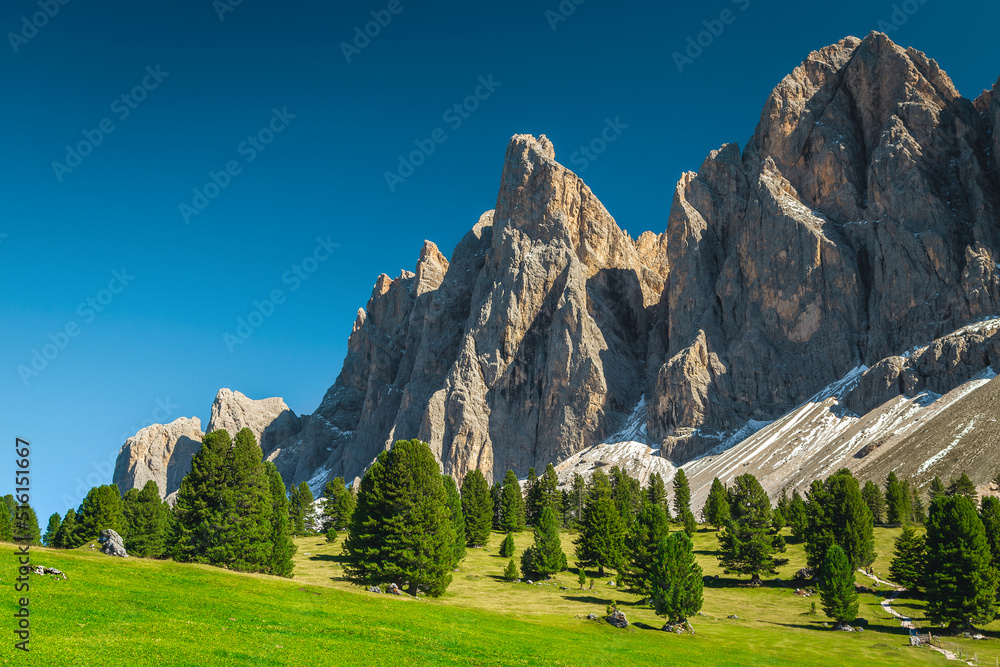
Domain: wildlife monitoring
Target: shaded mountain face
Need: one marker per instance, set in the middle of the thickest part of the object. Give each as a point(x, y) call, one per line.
point(859, 221)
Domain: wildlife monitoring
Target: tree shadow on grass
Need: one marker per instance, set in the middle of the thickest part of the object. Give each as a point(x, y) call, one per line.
point(644, 626)
point(588, 599)
point(327, 557)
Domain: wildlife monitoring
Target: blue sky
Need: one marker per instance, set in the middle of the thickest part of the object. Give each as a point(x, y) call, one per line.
point(252, 116)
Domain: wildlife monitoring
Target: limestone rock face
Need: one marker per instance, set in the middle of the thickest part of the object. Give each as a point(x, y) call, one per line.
point(859, 223)
point(271, 421)
point(161, 453)
point(112, 544)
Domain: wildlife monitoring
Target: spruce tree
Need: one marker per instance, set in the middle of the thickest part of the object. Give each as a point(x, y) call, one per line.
point(907, 566)
point(147, 520)
point(66, 536)
point(676, 579)
point(401, 531)
point(716, 510)
point(457, 518)
point(836, 586)
point(656, 490)
point(961, 582)
point(936, 489)
point(897, 501)
point(338, 505)
point(507, 546)
point(244, 539)
point(602, 531)
point(511, 504)
point(7, 523)
point(872, 495)
point(477, 508)
point(682, 502)
point(746, 545)
point(510, 572)
point(48, 539)
point(101, 509)
point(989, 513)
point(26, 530)
point(963, 486)
point(641, 544)
point(199, 508)
point(279, 562)
point(838, 515)
point(545, 557)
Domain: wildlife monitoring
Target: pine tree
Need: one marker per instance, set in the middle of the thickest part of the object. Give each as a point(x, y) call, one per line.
point(338, 506)
point(551, 495)
point(546, 556)
point(147, 521)
point(907, 566)
point(7, 523)
point(641, 543)
point(897, 501)
point(101, 509)
point(511, 504)
point(507, 546)
point(872, 495)
point(496, 495)
point(989, 513)
point(963, 486)
point(746, 545)
point(244, 540)
point(676, 579)
point(457, 518)
point(797, 517)
point(401, 530)
point(627, 495)
point(836, 586)
point(477, 507)
point(838, 515)
point(26, 530)
point(936, 489)
point(682, 502)
point(66, 535)
point(656, 490)
point(716, 510)
point(199, 508)
point(917, 513)
point(602, 531)
point(50, 531)
point(961, 582)
point(279, 561)
point(567, 508)
point(300, 509)
point(510, 572)
point(533, 502)
point(578, 497)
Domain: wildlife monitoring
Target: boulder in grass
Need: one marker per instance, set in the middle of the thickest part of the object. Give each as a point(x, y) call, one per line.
point(393, 589)
point(617, 619)
point(112, 544)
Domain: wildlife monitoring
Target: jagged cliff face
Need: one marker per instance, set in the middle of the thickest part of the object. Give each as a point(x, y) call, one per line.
point(523, 349)
point(860, 220)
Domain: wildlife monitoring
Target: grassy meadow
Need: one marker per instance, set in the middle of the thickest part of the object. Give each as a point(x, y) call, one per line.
point(138, 612)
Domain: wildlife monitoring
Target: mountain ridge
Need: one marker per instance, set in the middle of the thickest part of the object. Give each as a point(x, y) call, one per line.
point(859, 221)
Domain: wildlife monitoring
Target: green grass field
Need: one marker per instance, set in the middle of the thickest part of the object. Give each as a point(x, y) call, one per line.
point(138, 612)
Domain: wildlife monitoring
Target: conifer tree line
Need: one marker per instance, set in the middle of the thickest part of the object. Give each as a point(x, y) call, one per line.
point(233, 510)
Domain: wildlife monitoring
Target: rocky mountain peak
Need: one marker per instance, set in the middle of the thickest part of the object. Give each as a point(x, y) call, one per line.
point(271, 421)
